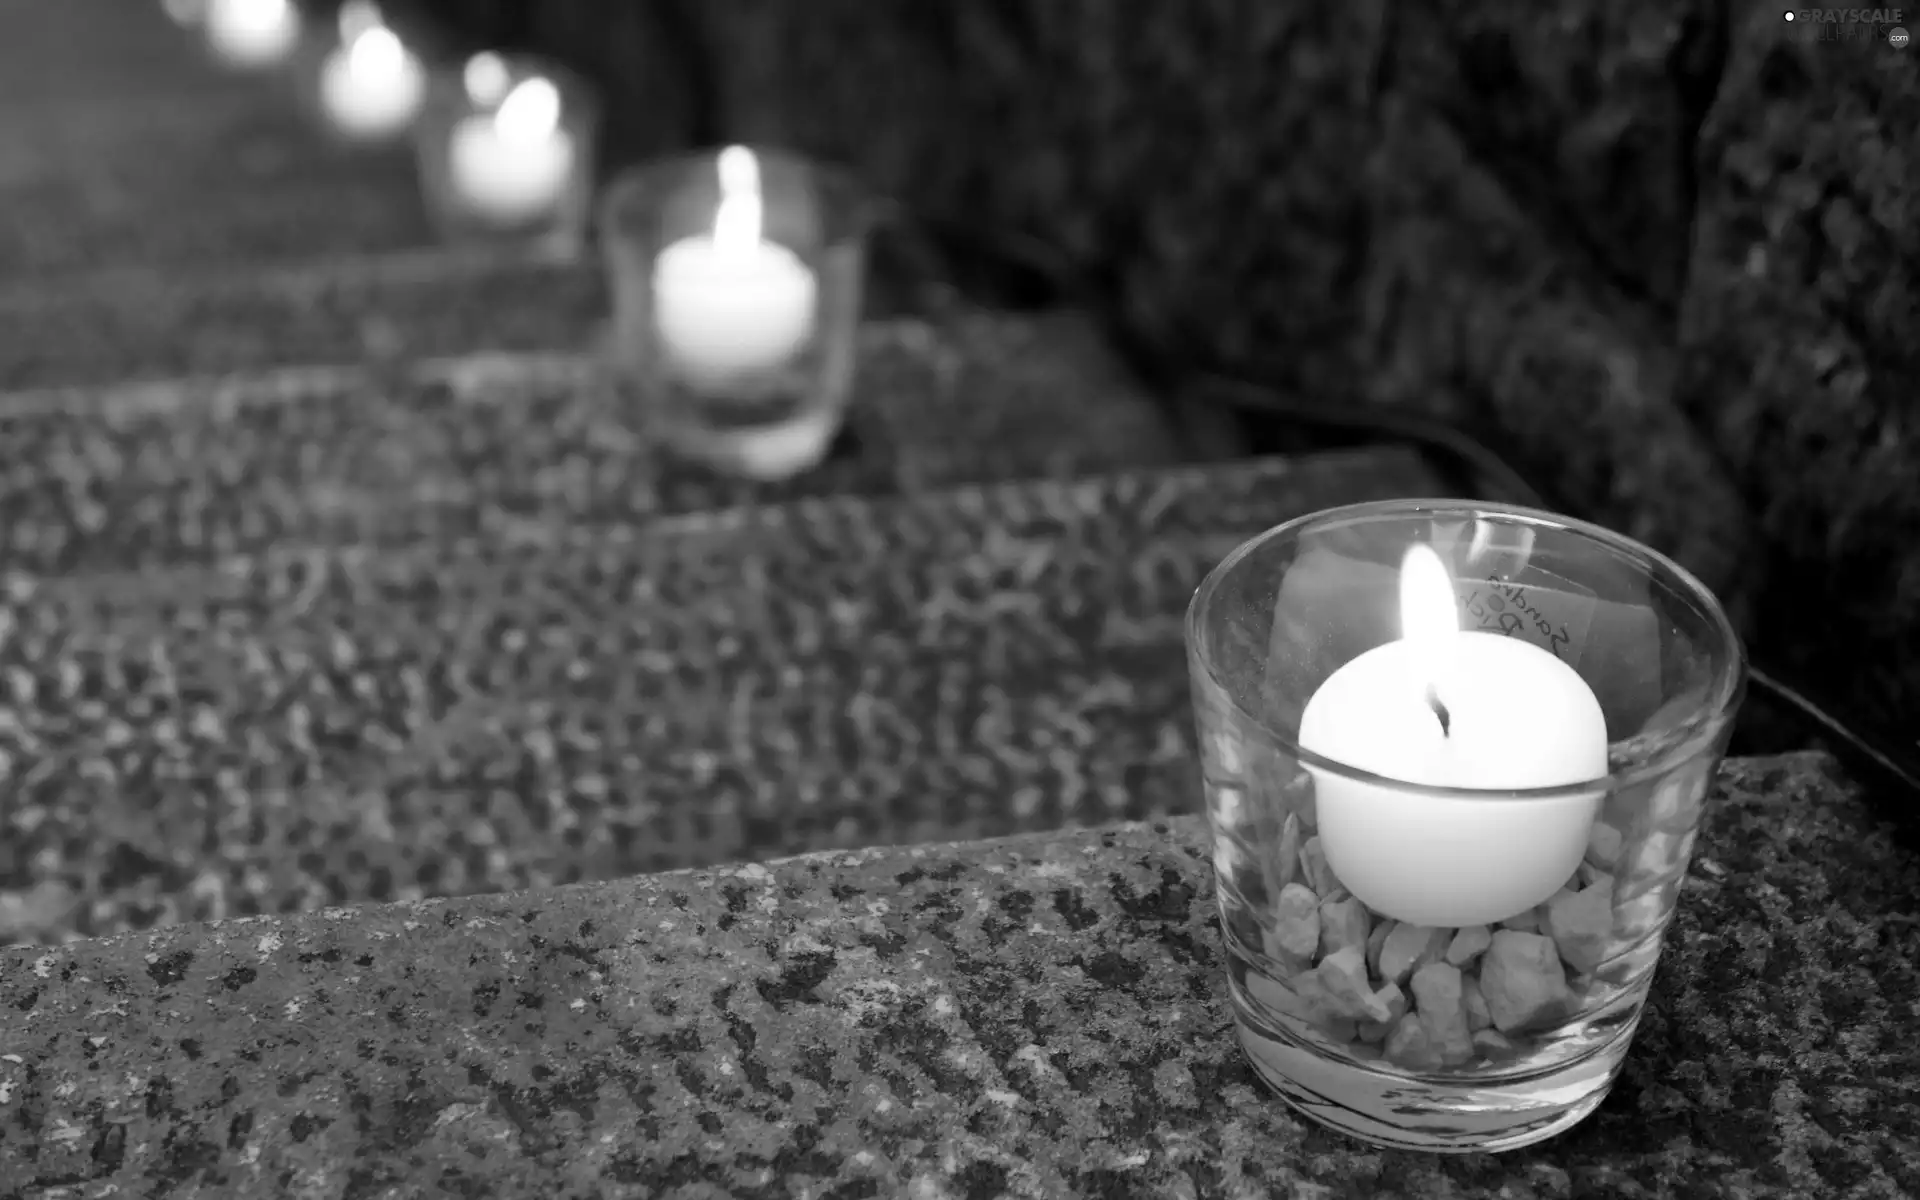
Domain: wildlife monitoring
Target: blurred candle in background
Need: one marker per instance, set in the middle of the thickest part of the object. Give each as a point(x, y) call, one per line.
point(371, 86)
point(252, 33)
point(185, 12)
point(513, 163)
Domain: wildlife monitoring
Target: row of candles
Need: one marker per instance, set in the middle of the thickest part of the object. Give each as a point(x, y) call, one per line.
point(508, 154)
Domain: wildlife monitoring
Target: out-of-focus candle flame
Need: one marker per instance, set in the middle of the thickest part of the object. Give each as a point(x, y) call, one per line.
point(737, 222)
point(185, 12)
point(252, 33)
point(358, 17)
point(486, 79)
point(531, 111)
point(376, 52)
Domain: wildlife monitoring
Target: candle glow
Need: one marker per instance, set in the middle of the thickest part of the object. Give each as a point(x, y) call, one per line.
point(373, 85)
point(252, 33)
point(486, 79)
point(731, 304)
point(514, 163)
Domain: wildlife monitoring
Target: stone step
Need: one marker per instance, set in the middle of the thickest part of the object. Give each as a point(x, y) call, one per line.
point(1046, 1013)
point(146, 324)
point(307, 729)
point(232, 180)
point(525, 446)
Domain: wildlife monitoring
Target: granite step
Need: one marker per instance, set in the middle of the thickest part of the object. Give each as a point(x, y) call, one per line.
point(121, 145)
point(1044, 1015)
point(231, 180)
point(301, 729)
point(140, 324)
point(520, 445)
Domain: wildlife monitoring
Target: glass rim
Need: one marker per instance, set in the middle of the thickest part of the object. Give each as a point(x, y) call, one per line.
point(1692, 737)
point(862, 207)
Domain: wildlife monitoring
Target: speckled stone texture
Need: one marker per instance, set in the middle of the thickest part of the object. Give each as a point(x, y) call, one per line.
point(192, 181)
point(325, 728)
point(1799, 340)
point(156, 324)
point(522, 446)
point(1040, 1016)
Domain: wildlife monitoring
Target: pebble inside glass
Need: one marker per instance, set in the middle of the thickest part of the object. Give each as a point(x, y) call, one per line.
point(1473, 979)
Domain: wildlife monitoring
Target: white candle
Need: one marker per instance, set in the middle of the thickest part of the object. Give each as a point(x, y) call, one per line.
point(731, 304)
point(514, 163)
point(1443, 708)
point(252, 33)
point(372, 85)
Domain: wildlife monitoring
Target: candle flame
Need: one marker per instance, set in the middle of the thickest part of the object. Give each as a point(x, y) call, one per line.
point(531, 111)
point(252, 33)
point(376, 51)
point(1427, 608)
point(358, 17)
point(1429, 619)
point(486, 79)
point(737, 222)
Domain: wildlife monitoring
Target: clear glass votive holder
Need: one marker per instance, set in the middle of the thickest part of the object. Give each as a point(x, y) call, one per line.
point(737, 278)
point(506, 154)
point(1457, 964)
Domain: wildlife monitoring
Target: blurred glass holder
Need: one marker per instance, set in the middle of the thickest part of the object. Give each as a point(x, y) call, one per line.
point(737, 278)
point(1455, 756)
point(505, 151)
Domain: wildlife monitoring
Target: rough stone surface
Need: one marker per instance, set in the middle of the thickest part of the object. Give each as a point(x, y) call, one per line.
point(140, 325)
point(1036, 1017)
point(227, 178)
point(180, 471)
point(1798, 341)
point(476, 715)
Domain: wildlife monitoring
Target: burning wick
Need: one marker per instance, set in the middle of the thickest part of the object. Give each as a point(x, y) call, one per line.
point(1440, 710)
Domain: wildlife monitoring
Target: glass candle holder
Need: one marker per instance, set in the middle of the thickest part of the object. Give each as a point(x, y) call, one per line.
point(736, 280)
point(505, 151)
point(1454, 757)
point(364, 82)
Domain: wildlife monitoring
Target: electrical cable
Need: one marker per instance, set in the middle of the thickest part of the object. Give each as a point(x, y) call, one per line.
point(1883, 755)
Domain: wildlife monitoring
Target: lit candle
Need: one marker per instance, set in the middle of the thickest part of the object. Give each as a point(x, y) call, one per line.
point(252, 33)
point(515, 162)
point(732, 304)
point(1451, 709)
point(372, 85)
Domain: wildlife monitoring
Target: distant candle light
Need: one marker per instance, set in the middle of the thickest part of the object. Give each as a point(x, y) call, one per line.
point(487, 79)
point(372, 86)
point(252, 33)
point(356, 18)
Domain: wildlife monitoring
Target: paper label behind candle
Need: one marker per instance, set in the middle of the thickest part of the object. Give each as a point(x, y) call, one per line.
point(1556, 620)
